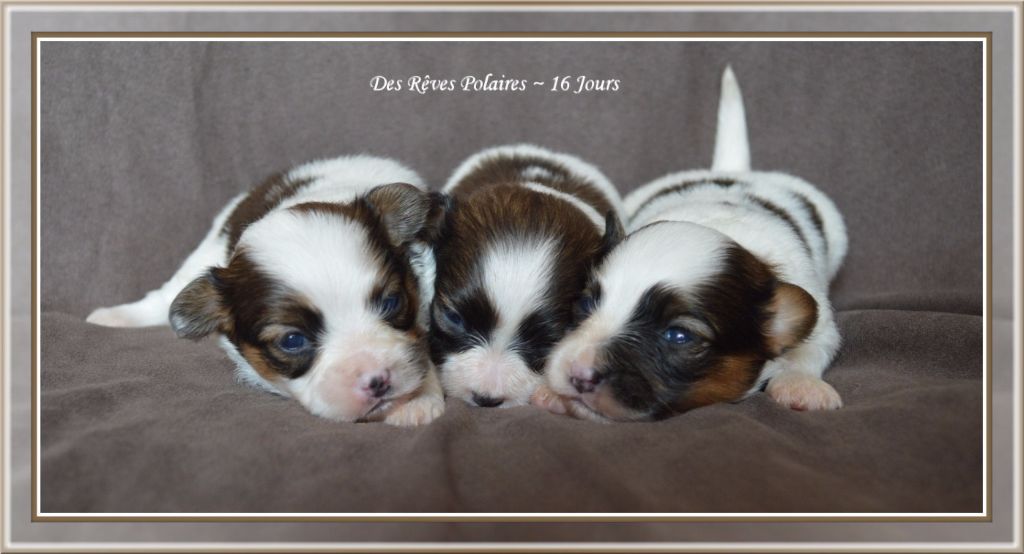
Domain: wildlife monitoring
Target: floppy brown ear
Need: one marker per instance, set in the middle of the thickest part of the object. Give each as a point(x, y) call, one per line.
point(197, 311)
point(441, 206)
point(403, 209)
point(794, 314)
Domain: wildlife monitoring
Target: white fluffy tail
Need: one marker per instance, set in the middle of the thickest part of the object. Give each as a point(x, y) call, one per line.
point(732, 150)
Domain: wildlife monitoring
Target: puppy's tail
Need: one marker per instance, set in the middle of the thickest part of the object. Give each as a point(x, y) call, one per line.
point(732, 150)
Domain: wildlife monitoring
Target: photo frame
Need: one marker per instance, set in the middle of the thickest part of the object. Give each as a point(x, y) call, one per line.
point(421, 27)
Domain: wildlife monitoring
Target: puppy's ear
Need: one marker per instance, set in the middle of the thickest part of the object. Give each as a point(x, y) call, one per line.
point(197, 310)
point(613, 235)
point(793, 316)
point(403, 209)
point(441, 207)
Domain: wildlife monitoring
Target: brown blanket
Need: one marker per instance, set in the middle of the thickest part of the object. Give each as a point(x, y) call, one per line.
point(143, 142)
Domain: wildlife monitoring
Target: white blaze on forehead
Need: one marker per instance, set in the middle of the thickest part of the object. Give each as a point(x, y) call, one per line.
point(675, 254)
point(515, 275)
point(324, 257)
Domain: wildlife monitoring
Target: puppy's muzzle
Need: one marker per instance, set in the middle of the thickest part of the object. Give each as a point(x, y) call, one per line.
point(377, 385)
point(584, 379)
point(485, 401)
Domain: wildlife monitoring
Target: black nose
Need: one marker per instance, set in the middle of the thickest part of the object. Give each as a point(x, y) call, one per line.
point(585, 385)
point(486, 401)
point(380, 386)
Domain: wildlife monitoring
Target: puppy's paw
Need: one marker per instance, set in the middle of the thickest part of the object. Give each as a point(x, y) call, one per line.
point(800, 391)
point(419, 411)
point(547, 399)
point(579, 410)
point(116, 316)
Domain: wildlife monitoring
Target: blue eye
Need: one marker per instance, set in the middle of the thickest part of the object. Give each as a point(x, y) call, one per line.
point(453, 318)
point(587, 304)
point(389, 304)
point(293, 342)
point(677, 335)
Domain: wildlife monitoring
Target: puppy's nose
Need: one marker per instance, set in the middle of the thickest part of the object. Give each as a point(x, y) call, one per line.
point(486, 401)
point(584, 380)
point(378, 385)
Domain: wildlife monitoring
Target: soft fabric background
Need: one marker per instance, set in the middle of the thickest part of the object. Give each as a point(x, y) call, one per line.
point(143, 142)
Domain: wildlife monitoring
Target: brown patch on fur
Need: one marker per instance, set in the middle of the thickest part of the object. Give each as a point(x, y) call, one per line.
point(256, 301)
point(734, 301)
point(258, 203)
point(794, 314)
point(508, 170)
point(728, 381)
point(254, 356)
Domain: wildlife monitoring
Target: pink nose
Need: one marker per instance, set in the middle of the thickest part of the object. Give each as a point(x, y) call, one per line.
point(375, 384)
point(583, 378)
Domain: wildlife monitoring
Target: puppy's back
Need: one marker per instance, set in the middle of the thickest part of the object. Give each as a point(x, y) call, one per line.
point(562, 175)
point(789, 204)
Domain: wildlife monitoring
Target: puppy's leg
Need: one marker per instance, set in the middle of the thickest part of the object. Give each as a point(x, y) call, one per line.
point(427, 406)
point(152, 309)
point(547, 399)
point(579, 411)
point(795, 377)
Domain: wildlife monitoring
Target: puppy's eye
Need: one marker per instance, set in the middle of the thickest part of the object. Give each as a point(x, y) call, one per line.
point(389, 304)
point(587, 305)
point(677, 335)
point(453, 318)
point(293, 342)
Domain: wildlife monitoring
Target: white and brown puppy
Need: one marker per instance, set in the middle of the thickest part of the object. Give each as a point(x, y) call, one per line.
point(721, 288)
point(318, 283)
point(523, 227)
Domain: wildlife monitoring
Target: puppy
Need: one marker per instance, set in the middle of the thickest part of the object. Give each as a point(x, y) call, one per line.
point(523, 226)
point(721, 288)
point(317, 283)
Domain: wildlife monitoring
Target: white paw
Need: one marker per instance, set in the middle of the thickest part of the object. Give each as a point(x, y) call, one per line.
point(803, 392)
point(547, 399)
point(116, 316)
point(418, 411)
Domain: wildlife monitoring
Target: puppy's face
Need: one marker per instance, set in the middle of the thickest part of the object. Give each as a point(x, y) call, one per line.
point(510, 264)
point(319, 303)
point(676, 317)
